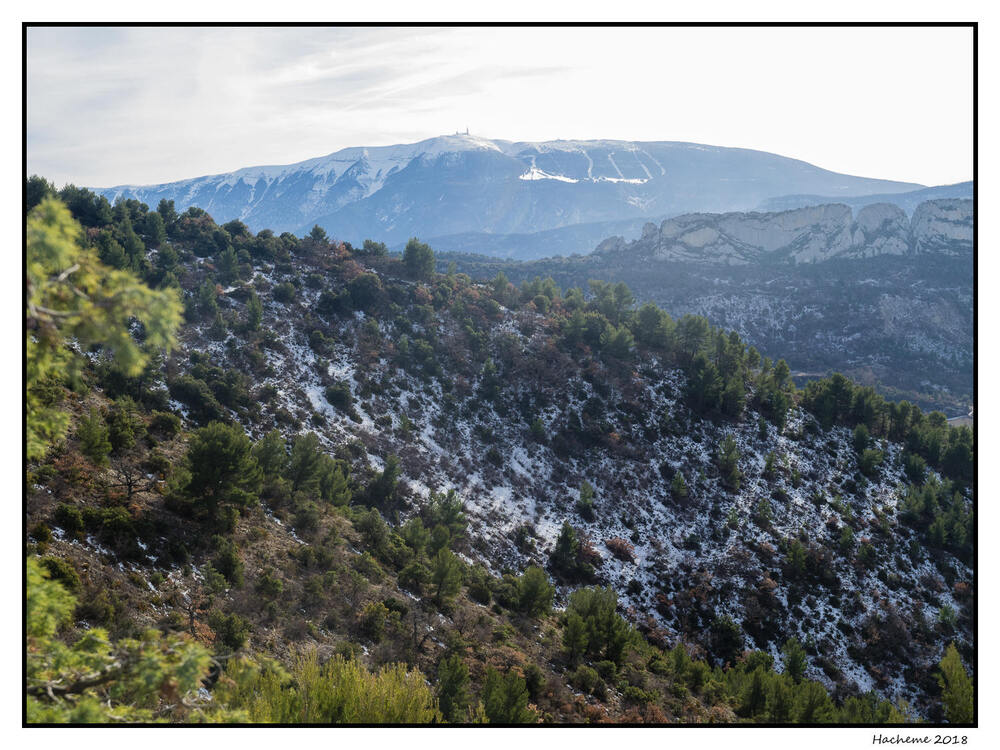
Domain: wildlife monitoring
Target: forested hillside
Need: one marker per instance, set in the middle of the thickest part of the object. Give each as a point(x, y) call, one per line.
point(281, 479)
point(885, 298)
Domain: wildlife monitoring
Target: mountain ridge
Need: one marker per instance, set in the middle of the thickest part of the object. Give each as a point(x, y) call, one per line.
point(461, 183)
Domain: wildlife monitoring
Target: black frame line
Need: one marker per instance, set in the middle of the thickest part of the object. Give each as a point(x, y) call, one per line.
point(973, 25)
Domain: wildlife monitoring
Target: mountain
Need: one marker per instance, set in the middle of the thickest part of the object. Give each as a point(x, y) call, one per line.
point(907, 201)
point(885, 298)
point(459, 184)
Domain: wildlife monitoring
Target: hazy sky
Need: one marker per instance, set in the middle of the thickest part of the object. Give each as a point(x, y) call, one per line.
point(112, 106)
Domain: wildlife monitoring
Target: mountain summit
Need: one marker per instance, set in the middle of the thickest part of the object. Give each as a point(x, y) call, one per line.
point(461, 183)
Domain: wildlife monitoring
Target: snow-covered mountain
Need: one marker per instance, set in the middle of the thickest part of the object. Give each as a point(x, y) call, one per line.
point(461, 183)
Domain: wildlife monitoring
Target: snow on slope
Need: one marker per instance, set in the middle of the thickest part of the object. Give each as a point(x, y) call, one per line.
point(714, 554)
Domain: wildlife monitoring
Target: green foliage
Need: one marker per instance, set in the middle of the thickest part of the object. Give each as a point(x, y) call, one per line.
point(227, 560)
point(726, 639)
point(869, 461)
point(727, 460)
point(223, 470)
point(125, 424)
point(271, 454)
point(383, 488)
point(304, 463)
point(62, 571)
point(678, 488)
point(505, 698)
point(915, 468)
point(93, 436)
point(340, 691)
point(166, 424)
point(565, 557)
point(447, 510)
point(956, 688)
point(231, 630)
point(372, 620)
point(794, 659)
point(418, 257)
point(453, 693)
point(608, 635)
point(339, 396)
point(862, 439)
point(585, 679)
point(69, 519)
point(535, 592)
point(365, 290)
point(97, 680)
point(71, 296)
point(446, 576)
point(284, 293)
point(371, 247)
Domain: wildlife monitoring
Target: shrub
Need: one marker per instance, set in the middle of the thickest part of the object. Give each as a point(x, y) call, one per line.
point(94, 440)
point(585, 504)
point(372, 621)
point(341, 691)
point(585, 679)
point(124, 424)
point(62, 571)
point(269, 585)
point(339, 396)
point(165, 423)
point(869, 461)
point(231, 630)
point(227, 560)
point(621, 549)
point(283, 292)
point(415, 576)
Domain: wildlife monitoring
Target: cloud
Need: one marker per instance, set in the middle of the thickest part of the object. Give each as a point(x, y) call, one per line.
point(139, 105)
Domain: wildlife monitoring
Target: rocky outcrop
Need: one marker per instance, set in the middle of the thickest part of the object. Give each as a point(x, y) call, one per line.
point(881, 229)
point(805, 235)
point(943, 226)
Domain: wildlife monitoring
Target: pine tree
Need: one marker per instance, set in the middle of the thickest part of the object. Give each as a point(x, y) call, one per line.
point(956, 688)
point(535, 592)
point(505, 698)
point(780, 700)
point(794, 659)
point(418, 258)
point(255, 312)
point(304, 463)
point(93, 436)
point(678, 488)
point(585, 504)
point(813, 705)
point(446, 576)
point(454, 696)
point(223, 470)
point(563, 557)
point(754, 698)
point(727, 460)
point(574, 638)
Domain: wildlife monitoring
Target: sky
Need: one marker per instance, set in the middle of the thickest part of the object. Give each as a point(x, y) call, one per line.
point(110, 106)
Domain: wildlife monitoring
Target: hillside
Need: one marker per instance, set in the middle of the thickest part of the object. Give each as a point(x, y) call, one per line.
point(882, 297)
point(459, 183)
point(421, 454)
